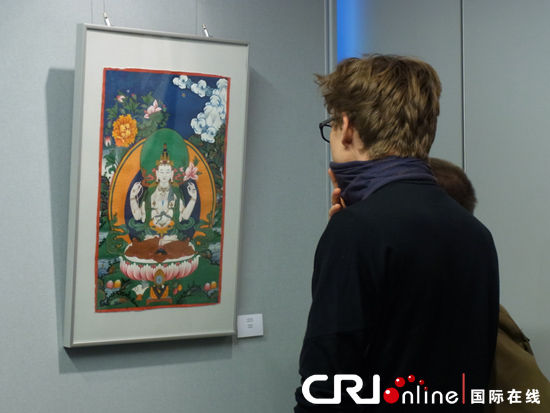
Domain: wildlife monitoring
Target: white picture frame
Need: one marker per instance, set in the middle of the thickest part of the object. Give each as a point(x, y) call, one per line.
point(90, 293)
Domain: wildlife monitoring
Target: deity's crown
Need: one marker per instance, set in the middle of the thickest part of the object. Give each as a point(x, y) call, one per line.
point(164, 158)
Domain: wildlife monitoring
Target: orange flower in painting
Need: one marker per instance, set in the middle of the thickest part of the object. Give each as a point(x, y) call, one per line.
point(125, 130)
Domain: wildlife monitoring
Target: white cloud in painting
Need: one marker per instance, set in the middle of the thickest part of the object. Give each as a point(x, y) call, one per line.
point(183, 82)
point(200, 88)
point(221, 91)
point(208, 122)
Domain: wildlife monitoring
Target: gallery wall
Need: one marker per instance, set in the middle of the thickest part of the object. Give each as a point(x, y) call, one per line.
point(492, 57)
point(428, 29)
point(506, 60)
point(285, 206)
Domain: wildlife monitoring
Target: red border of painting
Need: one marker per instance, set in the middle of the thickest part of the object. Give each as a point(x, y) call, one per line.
point(99, 188)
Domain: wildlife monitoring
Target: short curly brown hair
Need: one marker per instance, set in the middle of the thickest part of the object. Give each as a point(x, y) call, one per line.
point(392, 101)
point(454, 181)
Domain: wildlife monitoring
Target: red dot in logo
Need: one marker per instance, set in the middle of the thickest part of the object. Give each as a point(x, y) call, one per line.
point(391, 395)
point(400, 382)
point(426, 388)
point(421, 382)
point(411, 378)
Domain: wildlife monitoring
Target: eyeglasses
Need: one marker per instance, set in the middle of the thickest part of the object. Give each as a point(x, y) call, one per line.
point(325, 124)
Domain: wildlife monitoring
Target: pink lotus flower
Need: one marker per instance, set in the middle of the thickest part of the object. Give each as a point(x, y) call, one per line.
point(152, 109)
point(173, 270)
point(120, 98)
point(191, 172)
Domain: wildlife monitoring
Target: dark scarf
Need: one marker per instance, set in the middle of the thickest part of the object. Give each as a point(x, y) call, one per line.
point(359, 179)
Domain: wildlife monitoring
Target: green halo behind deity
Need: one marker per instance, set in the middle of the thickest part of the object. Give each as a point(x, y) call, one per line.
point(154, 146)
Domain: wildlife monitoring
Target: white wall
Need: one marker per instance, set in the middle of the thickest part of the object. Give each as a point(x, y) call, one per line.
point(285, 211)
point(505, 61)
point(507, 140)
point(428, 29)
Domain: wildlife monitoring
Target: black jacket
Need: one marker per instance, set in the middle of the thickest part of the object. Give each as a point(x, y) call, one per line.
point(404, 283)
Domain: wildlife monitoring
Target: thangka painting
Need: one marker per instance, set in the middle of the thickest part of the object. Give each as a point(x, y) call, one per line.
point(160, 207)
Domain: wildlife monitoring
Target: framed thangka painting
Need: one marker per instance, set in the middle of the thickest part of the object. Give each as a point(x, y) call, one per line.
point(161, 195)
point(156, 186)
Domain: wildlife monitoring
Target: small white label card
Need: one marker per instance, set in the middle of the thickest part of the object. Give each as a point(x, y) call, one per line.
point(250, 325)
